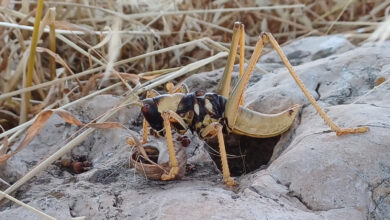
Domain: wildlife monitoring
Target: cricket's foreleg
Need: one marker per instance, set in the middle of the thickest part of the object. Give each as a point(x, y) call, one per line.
point(145, 126)
point(216, 129)
point(171, 149)
point(332, 125)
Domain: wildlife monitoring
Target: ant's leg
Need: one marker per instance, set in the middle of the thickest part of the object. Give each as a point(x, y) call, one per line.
point(224, 85)
point(332, 125)
point(216, 129)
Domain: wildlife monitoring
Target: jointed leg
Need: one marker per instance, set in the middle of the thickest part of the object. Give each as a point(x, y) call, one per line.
point(233, 102)
point(242, 57)
point(332, 125)
point(216, 129)
point(224, 85)
point(145, 126)
point(171, 149)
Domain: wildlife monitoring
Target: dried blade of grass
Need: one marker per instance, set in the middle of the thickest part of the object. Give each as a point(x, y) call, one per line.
point(79, 49)
point(227, 45)
point(202, 11)
point(159, 72)
point(90, 71)
point(20, 69)
point(25, 9)
point(338, 6)
point(286, 21)
point(218, 27)
point(223, 48)
point(52, 37)
point(358, 99)
point(18, 33)
point(5, 182)
point(59, 60)
point(114, 47)
point(349, 23)
point(382, 32)
point(105, 41)
point(357, 36)
point(5, 146)
point(49, 99)
point(90, 12)
point(72, 32)
point(339, 16)
point(378, 8)
point(190, 67)
point(19, 129)
point(36, 127)
point(43, 215)
point(92, 80)
point(3, 150)
point(31, 61)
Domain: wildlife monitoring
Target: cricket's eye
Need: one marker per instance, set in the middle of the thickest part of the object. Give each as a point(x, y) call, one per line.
point(145, 108)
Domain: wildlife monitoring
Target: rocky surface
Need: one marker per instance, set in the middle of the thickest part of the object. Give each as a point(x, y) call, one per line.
point(313, 174)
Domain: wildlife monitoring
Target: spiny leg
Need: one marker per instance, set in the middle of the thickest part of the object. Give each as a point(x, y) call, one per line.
point(216, 129)
point(171, 149)
point(332, 125)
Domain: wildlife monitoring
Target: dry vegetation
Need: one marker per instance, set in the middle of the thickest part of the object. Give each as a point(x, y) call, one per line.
point(85, 48)
point(93, 34)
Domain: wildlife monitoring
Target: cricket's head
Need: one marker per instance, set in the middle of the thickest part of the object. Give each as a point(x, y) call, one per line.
point(152, 115)
point(153, 107)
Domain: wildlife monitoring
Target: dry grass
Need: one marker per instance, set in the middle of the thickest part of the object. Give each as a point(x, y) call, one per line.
point(87, 48)
point(89, 36)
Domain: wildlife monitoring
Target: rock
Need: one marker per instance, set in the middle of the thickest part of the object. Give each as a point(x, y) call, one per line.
point(314, 48)
point(312, 174)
